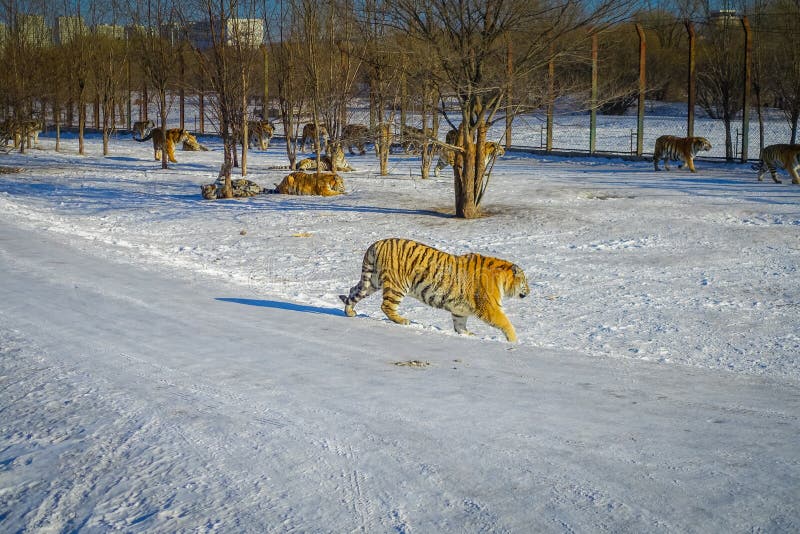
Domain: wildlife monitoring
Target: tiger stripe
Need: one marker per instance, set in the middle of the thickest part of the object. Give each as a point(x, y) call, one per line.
point(465, 285)
point(779, 156)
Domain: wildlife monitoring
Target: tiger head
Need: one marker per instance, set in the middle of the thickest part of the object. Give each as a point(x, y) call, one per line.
point(494, 149)
point(519, 283)
point(336, 183)
point(700, 143)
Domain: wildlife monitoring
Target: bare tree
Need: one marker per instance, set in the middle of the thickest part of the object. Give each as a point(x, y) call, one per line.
point(778, 57)
point(720, 74)
point(466, 39)
point(155, 44)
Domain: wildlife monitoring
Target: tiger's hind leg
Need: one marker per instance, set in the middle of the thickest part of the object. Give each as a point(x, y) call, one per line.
point(391, 301)
point(793, 172)
point(460, 324)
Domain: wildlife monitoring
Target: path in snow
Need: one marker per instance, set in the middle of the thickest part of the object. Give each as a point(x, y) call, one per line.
point(134, 401)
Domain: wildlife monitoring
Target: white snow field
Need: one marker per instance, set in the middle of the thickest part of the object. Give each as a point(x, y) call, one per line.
point(169, 364)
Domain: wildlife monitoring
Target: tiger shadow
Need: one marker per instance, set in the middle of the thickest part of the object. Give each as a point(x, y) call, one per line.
point(287, 306)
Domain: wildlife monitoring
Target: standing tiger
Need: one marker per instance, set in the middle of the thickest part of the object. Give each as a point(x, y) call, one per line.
point(447, 156)
point(168, 142)
point(775, 156)
point(684, 149)
point(310, 135)
point(260, 132)
point(465, 285)
point(356, 135)
point(142, 128)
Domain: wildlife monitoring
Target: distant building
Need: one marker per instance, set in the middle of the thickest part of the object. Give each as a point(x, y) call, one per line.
point(723, 17)
point(249, 32)
point(33, 31)
point(69, 28)
point(115, 31)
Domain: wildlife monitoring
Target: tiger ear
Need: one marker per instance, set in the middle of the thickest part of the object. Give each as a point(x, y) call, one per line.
point(516, 270)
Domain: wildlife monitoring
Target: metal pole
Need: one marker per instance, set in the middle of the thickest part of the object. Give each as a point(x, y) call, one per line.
point(551, 96)
point(642, 86)
point(692, 88)
point(509, 89)
point(593, 99)
point(748, 75)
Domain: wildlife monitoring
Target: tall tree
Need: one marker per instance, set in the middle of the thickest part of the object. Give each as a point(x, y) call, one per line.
point(467, 41)
point(155, 41)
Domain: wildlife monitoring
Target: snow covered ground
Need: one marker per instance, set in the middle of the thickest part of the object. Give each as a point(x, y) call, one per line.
point(174, 364)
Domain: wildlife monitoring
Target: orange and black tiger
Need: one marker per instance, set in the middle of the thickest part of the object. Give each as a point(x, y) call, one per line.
point(684, 149)
point(779, 156)
point(465, 285)
point(447, 157)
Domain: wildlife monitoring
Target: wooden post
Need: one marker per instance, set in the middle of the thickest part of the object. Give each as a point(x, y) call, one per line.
point(691, 84)
point(129, 109)
point(551, 97)
point(642, 87)
point(748, 78)
point(593, 99)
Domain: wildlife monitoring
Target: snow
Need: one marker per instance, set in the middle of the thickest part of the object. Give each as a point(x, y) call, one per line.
point(173, 364)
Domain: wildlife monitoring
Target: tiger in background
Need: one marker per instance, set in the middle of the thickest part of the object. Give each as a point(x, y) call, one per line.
point(356, 135)
point(260, 132)
point(326, 184)
point(19, 130)
point(465, 285)
point(684, 149)
point(168, 142)
point(142, 128)
point(310, 134)
point(447, 156)
point(779, 156)
point(414, 138)
point(334, 161)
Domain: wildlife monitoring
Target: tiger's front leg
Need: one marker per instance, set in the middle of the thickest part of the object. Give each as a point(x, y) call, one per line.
point(391, 301)
point(495, 317)
point(171, 152)
point(690, 164)
point(793, 172)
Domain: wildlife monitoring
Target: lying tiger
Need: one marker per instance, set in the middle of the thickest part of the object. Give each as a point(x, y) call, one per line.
point(447, 156)
point(779, 156)
point(326, 163)
point(310, 134)
point(463, 285)
point(173, 137)
point(684, 149)
point(326, 184)
point(240, 188)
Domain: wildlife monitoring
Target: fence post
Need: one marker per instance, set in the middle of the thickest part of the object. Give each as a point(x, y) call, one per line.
point(551, 96)
point(748, 51)
point(265, 94)
point(593, 99)
point(691, 89)
point(182, 88)
point(642, 85)
point(509, 89)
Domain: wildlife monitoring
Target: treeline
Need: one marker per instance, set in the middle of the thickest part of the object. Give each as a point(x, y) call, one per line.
point(450, 64)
